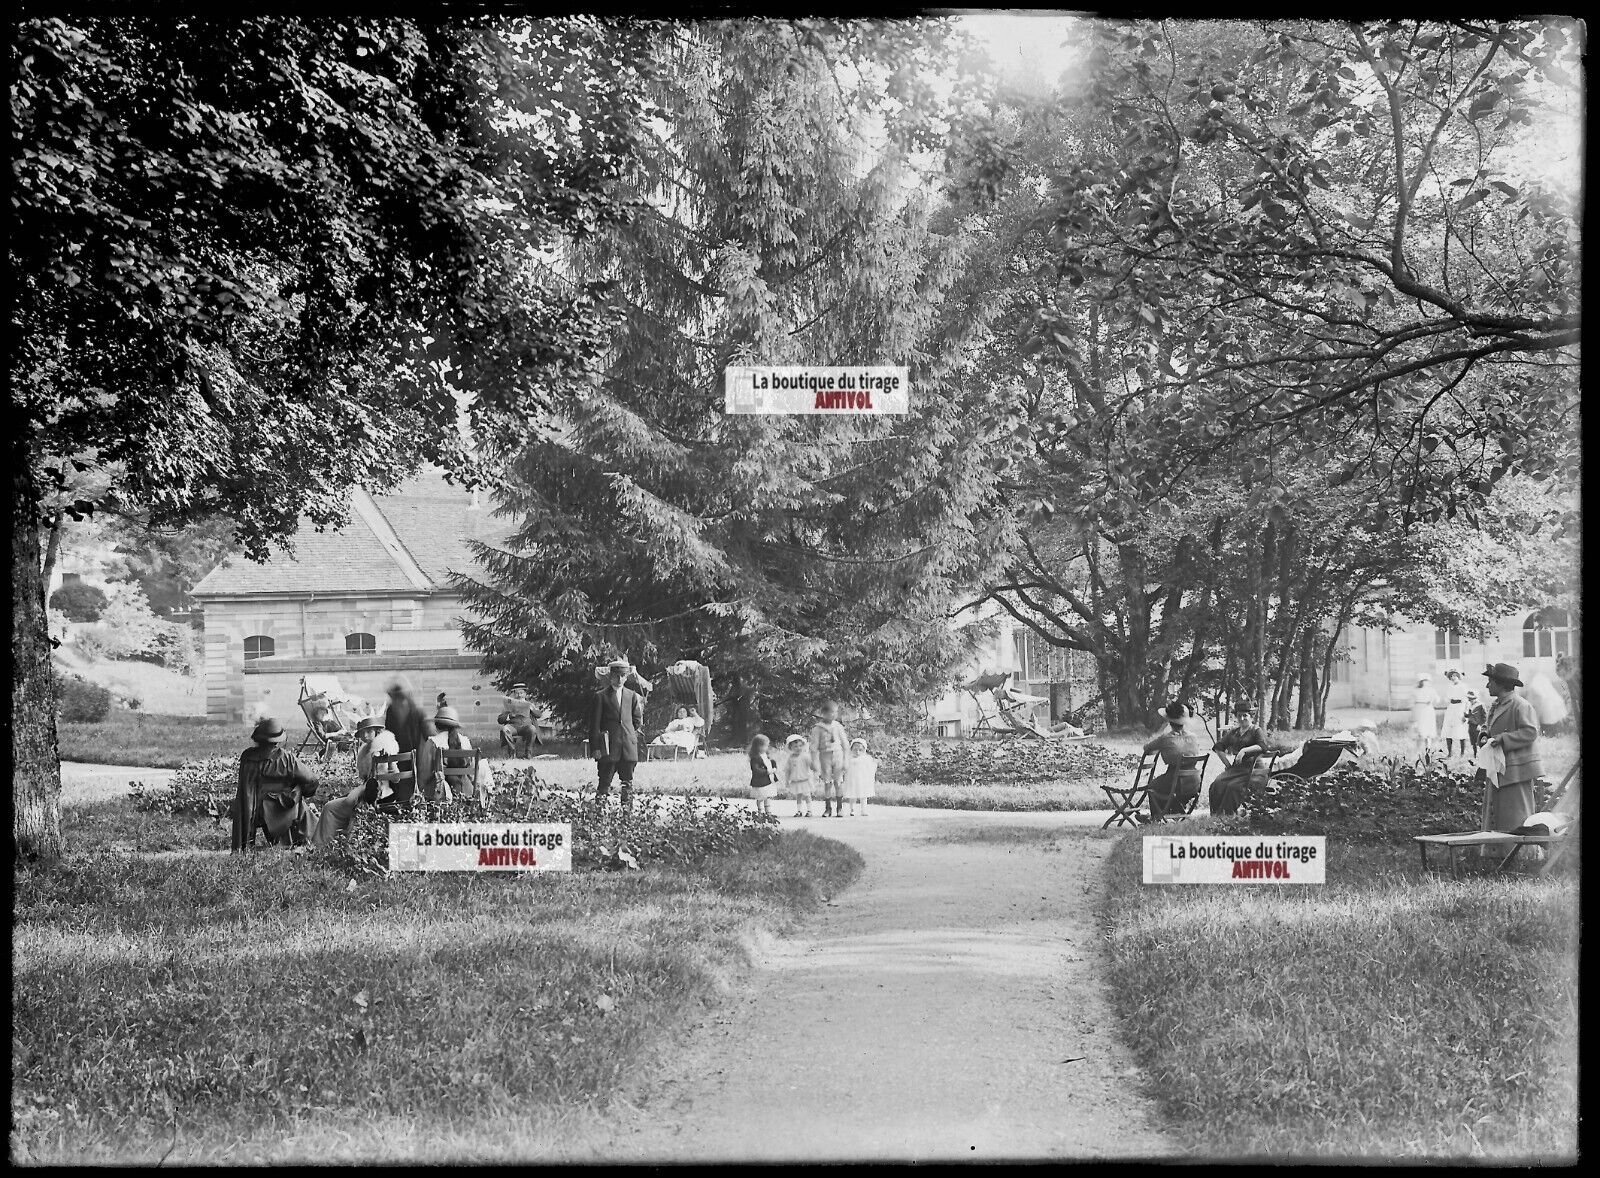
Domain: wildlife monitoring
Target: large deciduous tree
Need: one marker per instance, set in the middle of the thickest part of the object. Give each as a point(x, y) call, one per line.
point(257, 260)
point(782, 223)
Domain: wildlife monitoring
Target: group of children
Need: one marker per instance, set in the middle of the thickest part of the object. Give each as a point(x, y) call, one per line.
point(845, 770)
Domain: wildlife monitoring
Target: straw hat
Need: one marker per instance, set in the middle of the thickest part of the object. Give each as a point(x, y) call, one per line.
point(446, 718)
point(858, 741)
point(793, 737)
point(367, 722)
point(619, 664)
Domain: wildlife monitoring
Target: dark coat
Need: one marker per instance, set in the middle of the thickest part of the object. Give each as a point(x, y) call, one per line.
point(614, 731)
point(410, 727)
point(273, 790)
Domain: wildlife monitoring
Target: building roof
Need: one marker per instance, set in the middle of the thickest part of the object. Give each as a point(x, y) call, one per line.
point(407, 542)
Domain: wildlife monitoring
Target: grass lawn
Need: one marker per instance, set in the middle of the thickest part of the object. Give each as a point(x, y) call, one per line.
point(1384, 1015)
point(259, 1008)
point(141, 738)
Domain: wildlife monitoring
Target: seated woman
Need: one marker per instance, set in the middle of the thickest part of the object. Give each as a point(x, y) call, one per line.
point(1238, 748)
point(518, 733)
point(274, 794)
point(1169, 790)
point(682, 732)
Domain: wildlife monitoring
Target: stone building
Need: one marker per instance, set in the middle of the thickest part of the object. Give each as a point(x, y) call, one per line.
point(365, 603)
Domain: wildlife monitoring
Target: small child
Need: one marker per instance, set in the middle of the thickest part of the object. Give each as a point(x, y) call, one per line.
point(830, 757)
point(763, 774)
point(798, 775)
point(860, 777)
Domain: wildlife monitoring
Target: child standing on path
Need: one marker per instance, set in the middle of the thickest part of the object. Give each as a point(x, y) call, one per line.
point(830, 757)
point(798, 774)
point(763, 774)
point(860, 778)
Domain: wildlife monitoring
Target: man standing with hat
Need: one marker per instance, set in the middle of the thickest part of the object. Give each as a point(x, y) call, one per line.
point(614, 731)
point(274, 791)
point(1513, 728)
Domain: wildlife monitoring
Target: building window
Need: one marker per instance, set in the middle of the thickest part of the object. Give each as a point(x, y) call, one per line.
point(1032, 656)
point(1546, 634)
point(360, 644)
point(1447, 644)
point(259, 646)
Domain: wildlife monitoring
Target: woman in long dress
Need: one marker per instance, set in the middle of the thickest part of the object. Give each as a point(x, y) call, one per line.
point(1423, 702)
point(1453, 725)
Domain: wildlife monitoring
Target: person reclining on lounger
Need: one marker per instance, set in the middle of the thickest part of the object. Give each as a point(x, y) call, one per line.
point(1166, 791)
point(275, 792)
point(683, 732)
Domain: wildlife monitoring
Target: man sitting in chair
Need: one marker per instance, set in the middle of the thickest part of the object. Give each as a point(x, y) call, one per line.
point(1166, 791)
point(518, 733)
point(274, 792)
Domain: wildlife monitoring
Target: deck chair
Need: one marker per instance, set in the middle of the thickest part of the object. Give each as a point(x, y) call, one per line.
point(328, 727)
point(1556, 845)
point(992, 720)
point(1316, 758)
point(1190, 772)
point(399, 771)
point(1126, 801)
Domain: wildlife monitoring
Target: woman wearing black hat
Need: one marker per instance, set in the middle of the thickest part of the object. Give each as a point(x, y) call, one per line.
point(274, 792)
point(1513, 728)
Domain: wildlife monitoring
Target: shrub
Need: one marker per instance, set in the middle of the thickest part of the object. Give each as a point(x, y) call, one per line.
point(1385, 803)
point(79, 602)
point(679, 832)
point(81, 701)
point(203, 789)
point(1013, 761)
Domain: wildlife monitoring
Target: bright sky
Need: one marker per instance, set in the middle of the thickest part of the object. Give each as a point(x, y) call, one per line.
point(1025, 41)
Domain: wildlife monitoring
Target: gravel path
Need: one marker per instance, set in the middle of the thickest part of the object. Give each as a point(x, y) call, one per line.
point(946, 1006)
point(82, 784)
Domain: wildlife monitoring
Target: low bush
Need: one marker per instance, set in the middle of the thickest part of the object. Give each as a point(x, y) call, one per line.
point(79, 602)
point(1388, 802)
point(1017, 761)
point(80, 701)
point(675, 832)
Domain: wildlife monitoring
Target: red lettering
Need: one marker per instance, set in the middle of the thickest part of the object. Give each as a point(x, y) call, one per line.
point(483, 857)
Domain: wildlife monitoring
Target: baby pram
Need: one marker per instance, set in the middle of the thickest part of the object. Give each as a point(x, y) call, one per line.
point(1312, 759)
point(330, 722)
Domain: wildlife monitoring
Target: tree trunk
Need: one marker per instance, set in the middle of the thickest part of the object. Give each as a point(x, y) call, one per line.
point(35, 755)
point(52, 551)
point(1305, 708)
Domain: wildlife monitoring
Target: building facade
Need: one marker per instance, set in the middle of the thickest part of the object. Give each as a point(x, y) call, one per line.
point(366, 603)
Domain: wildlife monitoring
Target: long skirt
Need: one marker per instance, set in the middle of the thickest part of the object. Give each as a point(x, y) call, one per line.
point(1422, 719)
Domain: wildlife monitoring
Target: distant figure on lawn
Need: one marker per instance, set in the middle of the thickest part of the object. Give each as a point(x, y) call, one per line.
point(830, 757)
point(860, 777)
point(614, 731)
point(404, 718)
point(1423, 702)
point(799, 773)
point(763, 774)
point(518, 734)
point(1567, 672)
point(1166, 791)
point(1238, 748)
point(1453, 725)
point(681, 732)
point(275, 792)
point(1514, 730)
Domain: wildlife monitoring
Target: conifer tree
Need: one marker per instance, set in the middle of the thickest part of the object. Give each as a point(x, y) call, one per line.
point(781, 220)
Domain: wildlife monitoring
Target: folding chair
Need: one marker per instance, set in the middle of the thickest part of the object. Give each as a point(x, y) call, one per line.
point(459, 768)
point(1190, 771)
point(321, 703)
point(1126, 800)
point(400, 771)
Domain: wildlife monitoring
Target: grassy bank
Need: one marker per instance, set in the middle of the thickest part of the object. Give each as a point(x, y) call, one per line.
point(261, 1008)
point(1383, 1015)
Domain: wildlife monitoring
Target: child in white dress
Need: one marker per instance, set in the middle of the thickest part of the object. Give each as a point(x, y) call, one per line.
point(860, 777)
point(798, 774)
point(1424, 701)
point(1453, 724)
